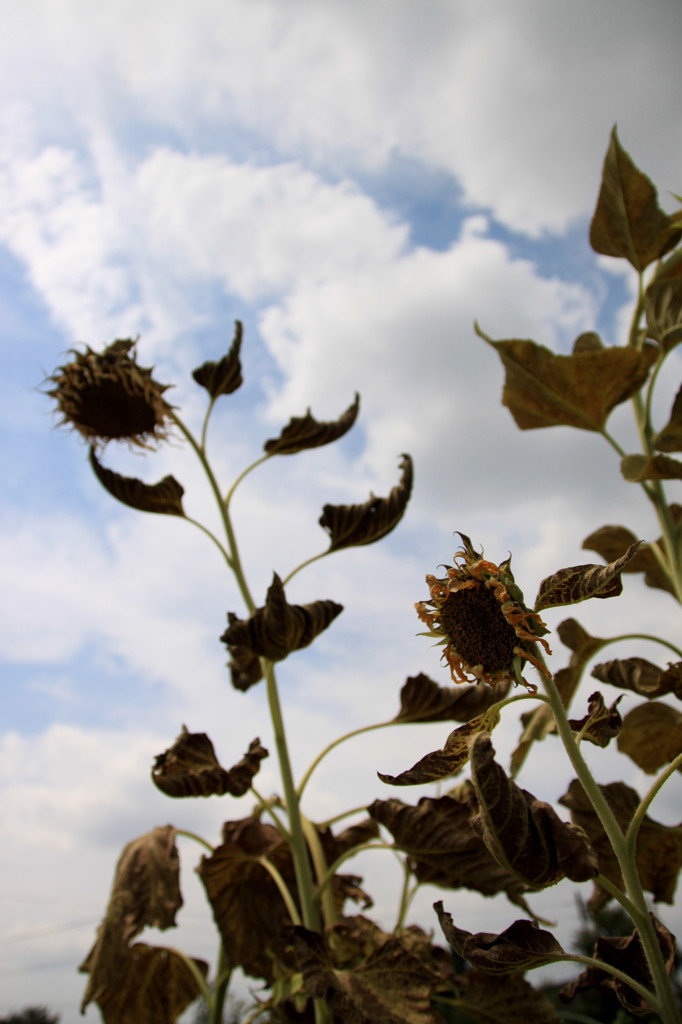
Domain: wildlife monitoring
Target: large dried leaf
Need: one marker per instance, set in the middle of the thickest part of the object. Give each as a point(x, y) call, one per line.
point(659, 848)
point(502, 999)
point(663, 304)
point(303, 432)
point(190, 768)
point(153, 985)
point(520, 947)
point(278, 628)
point(247, 906)
point(352, 525)
point(601, 724)
point(628, 222)
point(225, 376)
point(546, 390)
point(613, 541)
point(636, 468)
point(580, 582)
point(651, 735)
point(525, 835)
point(641, 676)
point(669, 439)
point(627, 954)
point(441, 846)
point(164, 497)
point(423, 700)
point(440, 764)
point(393, 985)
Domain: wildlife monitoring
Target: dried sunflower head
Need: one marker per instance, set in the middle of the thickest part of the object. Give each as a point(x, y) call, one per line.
point(107, 396)
point(478, 616)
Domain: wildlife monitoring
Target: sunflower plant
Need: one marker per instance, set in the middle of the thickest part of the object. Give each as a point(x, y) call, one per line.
point(285, 912)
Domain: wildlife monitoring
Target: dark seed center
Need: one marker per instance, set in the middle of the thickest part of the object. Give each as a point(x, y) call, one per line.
point(480, 634)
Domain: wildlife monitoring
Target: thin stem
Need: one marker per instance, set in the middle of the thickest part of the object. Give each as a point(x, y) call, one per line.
point(341, 739)
point(638, 816)
point(222, 983)
point(644, 636)
point(196, 838)
point(211, 536)
point(268, 807)
point(602, 965)
point(617, 894)
point(284, 889)
point(344, 814)
point(407, 894)
point(331, 871)
point(308, 561)
point(319, 860)
point(242, 475)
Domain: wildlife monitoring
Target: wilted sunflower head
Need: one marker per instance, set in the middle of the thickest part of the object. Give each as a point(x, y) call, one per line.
point(477, 614)
point(107, 396)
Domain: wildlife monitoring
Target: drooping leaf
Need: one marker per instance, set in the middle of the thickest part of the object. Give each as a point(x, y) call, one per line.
point(627, 954)
point(148, 985)
point(352, 525)
point(303, 432)
point(651, 735)
point(545, 390)
point(525, 835)
point(164, 497)
point(244, 665)
point(440, 764)
point(520, 947)
point(190, 768)
point(641, 676)
point(580, 582)
point(391, 985)
point(278, 628)
point(601, 724)
point(636, 468)
point(659, 847)
point(247, 906)
point(502, 999)
point(669, 439)
point(423, 700)
point(441, 846)
point(225, 376)
point(613, 541)
point(628, 222)
point(663, 304)
point(582, 645)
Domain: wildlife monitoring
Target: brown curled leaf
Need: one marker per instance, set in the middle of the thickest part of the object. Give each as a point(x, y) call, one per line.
point(440, 764)
point(303, 432)
point(601, 724)
point(352, 525)
point(613, 541)
point(636, 468)
point(278, 628)
point(423, 700)
point(580, 582)
point(164, 497)
point(190, 768)
point(641, 676)
point(651, 735)
point(225, 376)
point(669, 439)
point(663, 304)
point(521, 947)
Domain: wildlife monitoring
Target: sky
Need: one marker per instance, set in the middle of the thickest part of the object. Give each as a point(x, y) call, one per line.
point(358, 182)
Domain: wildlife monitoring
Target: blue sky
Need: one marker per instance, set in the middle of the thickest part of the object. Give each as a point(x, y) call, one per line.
point(357, 182)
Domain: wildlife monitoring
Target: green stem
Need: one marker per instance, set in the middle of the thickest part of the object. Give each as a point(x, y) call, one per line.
point(284, 890)
point(644, 636)
point(602, 965)
point(211, 536)
point(638, 816)
point(346, 855)
point(407, 894)
point(341, 739)
point(195, 838)
point(633, 887)
point(343, 814)
point(308, 561)
point(268, 807)
point(325, 895)
point(222, 983)
point(242, 475)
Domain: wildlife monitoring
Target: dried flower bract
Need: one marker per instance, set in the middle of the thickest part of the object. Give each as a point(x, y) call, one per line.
point(477, 614)
point(107, 396)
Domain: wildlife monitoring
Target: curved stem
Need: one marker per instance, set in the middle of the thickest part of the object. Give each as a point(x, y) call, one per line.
point(319, 860)
point(222, 983)
point(644, 636)
point(602, 965)
point(268, 807)
point(342, 815)
point(346, 855)
point(308, 561)
point(645, 803)
point(284, 890)
point(242, 475)
point(211, 536)
point(196, 838)
point(407, 894)
point(341, 739)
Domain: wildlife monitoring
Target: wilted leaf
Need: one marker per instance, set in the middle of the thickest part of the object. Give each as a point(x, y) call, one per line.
point(628, 222)
point(247, 905)
point(442, 763)
point(423, 700)
point(152, 985)
point(164, 497)
point(441, 846)
point(641, 676)
point(636, 468)
point(520, 947)
point(578, 640)
point(651, 735)
point(351, 525)
point(224, 376)
point(580, 582)
point(613, 541)
point(546, 390)
point(502, 999)
point(392, 985)
point(663, 304)
point(659, 848)
point(244, 665)
point(303, 432)
point(669, 439)
point(190, 768)
point(626, 953)
point(278, 628)
point(600, 724)
point(525, 835)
